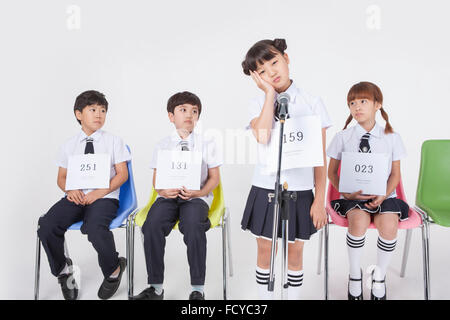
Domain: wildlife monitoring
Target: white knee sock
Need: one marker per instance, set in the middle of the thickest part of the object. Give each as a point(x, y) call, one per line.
point(295, 280)
point(262, 282)
point(384, 255)
point(355, 246)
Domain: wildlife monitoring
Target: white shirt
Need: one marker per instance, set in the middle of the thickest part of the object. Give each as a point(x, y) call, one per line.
point(301, 104)
point(104, 142)
point(211, 155)
point(348, 140)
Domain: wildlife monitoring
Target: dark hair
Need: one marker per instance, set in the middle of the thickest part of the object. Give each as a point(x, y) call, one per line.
point(88, 98)
point(261, 51)
point(370, 91)
point(183, 98)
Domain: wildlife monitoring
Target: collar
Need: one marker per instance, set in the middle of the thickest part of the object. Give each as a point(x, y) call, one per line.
point(292, 91)
point(376, 131)
point(96, 136)
point(175, 137)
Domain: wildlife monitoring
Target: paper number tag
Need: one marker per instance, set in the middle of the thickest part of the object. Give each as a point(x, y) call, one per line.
point(364, 171)
point(178, 168)
point(88, 171)
point(302, 144)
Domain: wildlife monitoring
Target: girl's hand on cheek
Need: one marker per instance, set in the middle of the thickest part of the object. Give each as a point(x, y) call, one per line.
point(263, 85)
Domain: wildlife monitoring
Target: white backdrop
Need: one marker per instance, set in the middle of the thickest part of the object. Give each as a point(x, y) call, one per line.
point(140, 52)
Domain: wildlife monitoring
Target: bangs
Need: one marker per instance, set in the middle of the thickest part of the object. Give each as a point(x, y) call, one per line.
point(365, 90)
point(257, 55)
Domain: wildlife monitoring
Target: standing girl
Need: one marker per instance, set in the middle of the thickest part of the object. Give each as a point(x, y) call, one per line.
point(268, 65)
point(364, 100)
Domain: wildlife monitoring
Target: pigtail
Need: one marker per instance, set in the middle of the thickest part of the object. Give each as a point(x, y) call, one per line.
point(388, 127)
point(349, 119)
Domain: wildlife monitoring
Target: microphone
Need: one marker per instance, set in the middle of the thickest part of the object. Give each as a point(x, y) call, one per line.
point(283, 102)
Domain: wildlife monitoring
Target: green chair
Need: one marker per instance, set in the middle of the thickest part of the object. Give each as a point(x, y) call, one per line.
point(218, 215)
point(433, 192)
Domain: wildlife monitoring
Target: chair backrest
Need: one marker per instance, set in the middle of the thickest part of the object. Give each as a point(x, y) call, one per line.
point(333, 194)
point(127, 201)
point(215, 213)
point(433, 187)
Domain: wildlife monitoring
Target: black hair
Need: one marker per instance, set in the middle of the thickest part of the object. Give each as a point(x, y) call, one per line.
point(184, 97)
point(261, 51)
point(88, 98)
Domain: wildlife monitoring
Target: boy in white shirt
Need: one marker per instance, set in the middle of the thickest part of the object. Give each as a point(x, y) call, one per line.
point(190, 207)
point(96, 208)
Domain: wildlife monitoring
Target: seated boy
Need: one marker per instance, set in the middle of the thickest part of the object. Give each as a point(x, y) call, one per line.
point(96, 208)
point(188, 206)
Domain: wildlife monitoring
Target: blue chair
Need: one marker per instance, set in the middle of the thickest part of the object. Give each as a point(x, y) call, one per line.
point(127, 206)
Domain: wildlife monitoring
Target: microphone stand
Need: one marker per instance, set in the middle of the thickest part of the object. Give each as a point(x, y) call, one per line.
point(282, 197)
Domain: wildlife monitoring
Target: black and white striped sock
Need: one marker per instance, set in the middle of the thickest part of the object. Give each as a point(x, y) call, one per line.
point(262, 282)
point(295, 280)
point(355, 247)
point(385, 248)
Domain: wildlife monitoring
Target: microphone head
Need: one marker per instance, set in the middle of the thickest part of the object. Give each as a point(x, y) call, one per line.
point(283, 98)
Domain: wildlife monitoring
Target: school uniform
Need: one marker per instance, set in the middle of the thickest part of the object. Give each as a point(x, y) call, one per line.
point(258, 212)
point(192, 213)
point(96, 217)
point(375, 141)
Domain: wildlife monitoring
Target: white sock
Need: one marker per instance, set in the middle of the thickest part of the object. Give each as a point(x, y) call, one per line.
point(158, 288)
point(65, 270)
point(262, 282)
point(355, 246)
point(198, 288)
point(295, 280)
point(385, 248)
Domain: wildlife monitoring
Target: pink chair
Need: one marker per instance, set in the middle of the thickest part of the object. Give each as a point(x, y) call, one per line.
point(414, 221)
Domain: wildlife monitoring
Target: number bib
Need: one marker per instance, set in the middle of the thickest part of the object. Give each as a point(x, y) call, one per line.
point(88, 171)
point(302, 144)
point(178, 168)
point(364, 171)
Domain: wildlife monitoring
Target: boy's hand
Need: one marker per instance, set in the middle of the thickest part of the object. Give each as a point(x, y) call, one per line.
point(186, 194)
point(94, 195)
point(318, 215)
point(168, 193)
point(76, 196)
point(376, 202)
point(263, 85)
point(357, 196)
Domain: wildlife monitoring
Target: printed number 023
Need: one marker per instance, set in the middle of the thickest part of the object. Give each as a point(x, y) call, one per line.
point(363, 168)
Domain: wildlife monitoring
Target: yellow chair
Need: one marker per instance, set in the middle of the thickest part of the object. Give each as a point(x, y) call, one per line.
point(218, 215)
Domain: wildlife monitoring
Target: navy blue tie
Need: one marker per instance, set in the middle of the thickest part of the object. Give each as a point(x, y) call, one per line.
point(364, 145)
point(89, 146)
point(184, 145)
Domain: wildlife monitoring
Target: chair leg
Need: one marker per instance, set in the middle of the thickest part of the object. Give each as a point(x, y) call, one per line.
point(37, 269)
point(319, 259)
point(66, 249)
point(426, 258)
point(326, 260)
point(406, 252)
point(224, 256)
point(230, 260)
point(130, 255)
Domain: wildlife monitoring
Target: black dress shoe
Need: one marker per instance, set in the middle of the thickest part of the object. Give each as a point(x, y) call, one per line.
point(372, 296)
point(110, 285)
point(350, 296)
point(149, 294)
point(197, 295)
point(69, 287)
